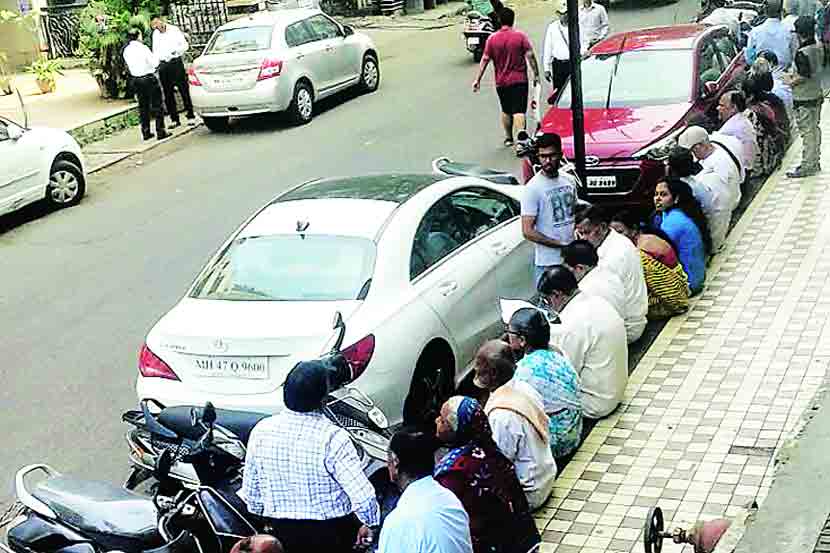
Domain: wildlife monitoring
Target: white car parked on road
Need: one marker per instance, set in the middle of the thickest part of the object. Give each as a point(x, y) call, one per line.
point(279, 61)
point(414, 263)
point(37, 164)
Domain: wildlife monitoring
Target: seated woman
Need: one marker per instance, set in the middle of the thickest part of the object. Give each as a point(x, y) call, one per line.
point(680, 216)
point(482, 478)
point(667, 284)
point(769, 117)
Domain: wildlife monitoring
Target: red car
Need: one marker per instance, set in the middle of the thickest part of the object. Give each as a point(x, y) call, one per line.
point(640, 89)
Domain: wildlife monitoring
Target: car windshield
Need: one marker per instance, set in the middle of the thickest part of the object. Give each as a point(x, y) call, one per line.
point(628, 79)
point(242, 39)
point(289, 267)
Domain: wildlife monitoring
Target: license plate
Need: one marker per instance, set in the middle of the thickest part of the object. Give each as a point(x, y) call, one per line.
point(228, 82)
point(251, 368)
point(605, 181)
point(473, 41)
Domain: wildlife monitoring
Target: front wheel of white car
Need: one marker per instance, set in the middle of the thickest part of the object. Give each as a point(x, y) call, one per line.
point(66, 184)
point(369, 74)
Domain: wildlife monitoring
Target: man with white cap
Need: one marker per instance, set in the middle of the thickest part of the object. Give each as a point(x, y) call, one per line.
point(719, 154)
point(556, 53)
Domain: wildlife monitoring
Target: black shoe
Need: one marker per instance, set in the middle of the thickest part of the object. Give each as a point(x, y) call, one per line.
point(147, 135)
point(162, 135)
point(176, 124)
point(800, 172)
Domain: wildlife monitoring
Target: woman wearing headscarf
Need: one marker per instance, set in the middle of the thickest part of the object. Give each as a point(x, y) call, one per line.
point(484, 480)
point(769, 117)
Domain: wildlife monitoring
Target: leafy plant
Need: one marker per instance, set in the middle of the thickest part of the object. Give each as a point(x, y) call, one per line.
point(46, 70)
point(103, 35)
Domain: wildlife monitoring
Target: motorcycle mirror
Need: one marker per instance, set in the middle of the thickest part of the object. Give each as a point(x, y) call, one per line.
point(209, 414)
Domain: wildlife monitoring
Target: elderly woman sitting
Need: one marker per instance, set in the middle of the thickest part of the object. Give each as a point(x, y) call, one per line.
point(484, 480)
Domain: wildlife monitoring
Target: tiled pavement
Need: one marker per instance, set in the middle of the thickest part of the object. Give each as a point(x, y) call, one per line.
point(719, 390)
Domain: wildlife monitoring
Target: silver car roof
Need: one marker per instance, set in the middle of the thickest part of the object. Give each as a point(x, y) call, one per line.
point(281, 18)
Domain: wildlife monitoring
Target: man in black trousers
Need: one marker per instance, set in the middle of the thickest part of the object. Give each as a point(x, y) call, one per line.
point(142, 65)
point(169, 45)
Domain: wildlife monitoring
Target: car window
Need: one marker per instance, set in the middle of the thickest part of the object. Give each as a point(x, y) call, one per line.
point(710, 66)
point(626, 79)
point(242, 39)
point(323, 27)
point(298, 34)
point(456, 220)
point(289, 267)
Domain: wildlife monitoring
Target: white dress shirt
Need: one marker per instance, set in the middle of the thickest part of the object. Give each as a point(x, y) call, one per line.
point(429, 518)
point(593, 25)
point(715, 199)
point(722, 163)
point(556, 45)
point(139, 59)
point(740, 127)
point(522, 444)
point(601, 282)
point(170, 44)
point(592, 335)
point(620, 256)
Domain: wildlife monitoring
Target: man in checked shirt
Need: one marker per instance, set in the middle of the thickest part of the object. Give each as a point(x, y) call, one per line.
point(302, 473)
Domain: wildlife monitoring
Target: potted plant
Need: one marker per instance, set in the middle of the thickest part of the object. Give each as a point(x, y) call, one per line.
point(46, 72)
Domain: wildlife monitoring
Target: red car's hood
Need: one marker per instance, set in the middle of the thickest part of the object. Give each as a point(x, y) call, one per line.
point(616, 132)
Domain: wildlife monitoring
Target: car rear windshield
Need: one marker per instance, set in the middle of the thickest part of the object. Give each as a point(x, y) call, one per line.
point(289, 267)
point(242, 39)
point(634, 79)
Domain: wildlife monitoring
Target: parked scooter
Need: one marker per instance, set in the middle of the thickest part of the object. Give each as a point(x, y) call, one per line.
point(176, 430)
point(61, 514)
point(477, 29)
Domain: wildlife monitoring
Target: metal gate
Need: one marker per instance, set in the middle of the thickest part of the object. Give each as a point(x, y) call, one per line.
point(60, 26)
point(198, 19)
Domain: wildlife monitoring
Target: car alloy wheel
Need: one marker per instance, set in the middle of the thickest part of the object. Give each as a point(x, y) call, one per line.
point(304, 103)
point(431, 387)
point(66, 185)
point(370, 75)
point(301, 109)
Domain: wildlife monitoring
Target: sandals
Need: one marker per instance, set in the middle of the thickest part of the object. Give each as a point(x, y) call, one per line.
point(508, 142)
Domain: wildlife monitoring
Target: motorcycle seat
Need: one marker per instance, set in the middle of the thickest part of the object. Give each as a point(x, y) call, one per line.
point(178, 419)
point(127, 519)
point(472, 170)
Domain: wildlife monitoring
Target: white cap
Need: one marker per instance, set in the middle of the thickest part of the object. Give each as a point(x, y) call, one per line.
point(509, 307)
point(561, 7)
point(693, 136)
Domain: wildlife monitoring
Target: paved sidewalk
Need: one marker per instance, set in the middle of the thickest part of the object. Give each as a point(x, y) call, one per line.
point(720, 390)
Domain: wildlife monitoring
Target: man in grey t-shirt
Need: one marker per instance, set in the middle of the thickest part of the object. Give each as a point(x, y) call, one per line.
point(548, 206)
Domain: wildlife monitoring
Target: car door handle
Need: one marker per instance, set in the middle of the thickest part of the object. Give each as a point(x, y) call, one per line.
point(500, 248)
point(329, 48)
point(447, 288)
point(300, 56)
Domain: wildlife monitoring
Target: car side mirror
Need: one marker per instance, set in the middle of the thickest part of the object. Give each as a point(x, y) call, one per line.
point(347, 30)
point(710, 88)
point(14, 132)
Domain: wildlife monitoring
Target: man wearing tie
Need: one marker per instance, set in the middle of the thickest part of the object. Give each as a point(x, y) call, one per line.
point(169, 45)
point(142, 65)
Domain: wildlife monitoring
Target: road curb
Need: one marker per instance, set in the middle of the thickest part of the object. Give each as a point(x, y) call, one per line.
point(94, 131)
point(121, 156)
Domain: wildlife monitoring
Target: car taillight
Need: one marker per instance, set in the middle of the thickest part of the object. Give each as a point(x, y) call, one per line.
point(150, 365)
point(192, 78)
point(359, 354)
point(269, 68)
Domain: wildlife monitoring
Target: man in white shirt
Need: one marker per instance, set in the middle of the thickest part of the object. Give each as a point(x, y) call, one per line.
point(142, 64)
point(428, 518)
point(620, 256)
point(719, 154)
point(592, 335)
point(734, 122)
point(548, 204)
point(517, 416)
point(581, 258)
point(169, 45)
point(556, 54)
point(593, 24)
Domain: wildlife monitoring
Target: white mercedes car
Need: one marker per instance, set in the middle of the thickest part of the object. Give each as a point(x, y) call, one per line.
point(414, 263)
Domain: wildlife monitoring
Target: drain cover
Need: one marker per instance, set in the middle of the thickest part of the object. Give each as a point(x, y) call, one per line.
point(752, 451)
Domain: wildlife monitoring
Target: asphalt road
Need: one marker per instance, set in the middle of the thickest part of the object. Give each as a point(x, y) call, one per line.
point(80, 288)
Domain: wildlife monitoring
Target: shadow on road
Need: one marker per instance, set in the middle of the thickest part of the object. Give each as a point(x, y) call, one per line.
point(25, 215)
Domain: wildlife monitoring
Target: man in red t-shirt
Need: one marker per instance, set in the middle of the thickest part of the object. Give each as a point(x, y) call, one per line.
point(511, 51)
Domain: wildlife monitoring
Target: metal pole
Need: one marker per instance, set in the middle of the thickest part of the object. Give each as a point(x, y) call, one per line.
point(577, 114)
